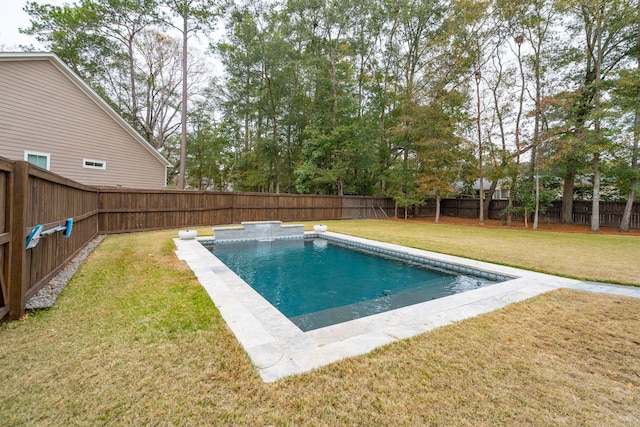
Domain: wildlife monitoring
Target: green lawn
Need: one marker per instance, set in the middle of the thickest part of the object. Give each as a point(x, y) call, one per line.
point(599, 257)
point(134, 339)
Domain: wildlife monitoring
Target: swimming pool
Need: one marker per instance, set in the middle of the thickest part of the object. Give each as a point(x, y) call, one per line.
point(316, 282)
point(278, 348)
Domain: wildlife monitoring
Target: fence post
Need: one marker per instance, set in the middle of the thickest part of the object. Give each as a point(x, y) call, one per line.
point(18, 277)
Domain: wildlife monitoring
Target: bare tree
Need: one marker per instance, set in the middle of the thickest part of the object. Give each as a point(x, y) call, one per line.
point(193, 17)
point(159, 62)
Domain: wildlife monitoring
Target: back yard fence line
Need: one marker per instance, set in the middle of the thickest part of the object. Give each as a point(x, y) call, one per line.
point(610, 212)
point(30, 196)
point(126, 210)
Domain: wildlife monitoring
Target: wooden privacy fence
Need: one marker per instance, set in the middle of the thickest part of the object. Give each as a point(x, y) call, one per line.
point(6, 188)
point(30, 196)
point(126, 210)
point(610, 212)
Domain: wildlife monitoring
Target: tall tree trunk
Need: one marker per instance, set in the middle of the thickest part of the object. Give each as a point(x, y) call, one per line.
point(289, 163)
point(438, 199)
point(246, 114)
point(132, 82)
point(595, 209)
point(581, 117)
point(510, 202)
point(523, 87)
point(628, 207)
point(334, 77)
point(479, 128)
point(626, 216)
point(504, 154)
point(276, 139)
point(535, 155)
point(536, 213)
point(183, 125)
point(490, 192)
point(566, 216)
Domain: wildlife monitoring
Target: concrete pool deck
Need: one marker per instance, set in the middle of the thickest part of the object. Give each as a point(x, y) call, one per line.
point(278, 348)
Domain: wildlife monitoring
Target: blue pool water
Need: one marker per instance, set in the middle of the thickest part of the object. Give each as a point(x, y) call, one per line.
point(317, 283)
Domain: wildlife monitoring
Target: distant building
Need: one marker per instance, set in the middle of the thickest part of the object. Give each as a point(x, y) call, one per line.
point(53, 119)
point(501, 192)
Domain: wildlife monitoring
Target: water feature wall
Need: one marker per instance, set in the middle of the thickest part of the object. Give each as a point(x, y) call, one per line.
point(258, 230)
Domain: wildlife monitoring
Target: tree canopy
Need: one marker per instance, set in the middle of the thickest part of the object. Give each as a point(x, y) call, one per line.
point(403, 98)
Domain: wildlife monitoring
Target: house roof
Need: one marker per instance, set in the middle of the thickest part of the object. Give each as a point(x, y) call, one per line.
point(88, 91)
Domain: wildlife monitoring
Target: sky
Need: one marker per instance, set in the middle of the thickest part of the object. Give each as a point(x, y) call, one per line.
point(12, 17)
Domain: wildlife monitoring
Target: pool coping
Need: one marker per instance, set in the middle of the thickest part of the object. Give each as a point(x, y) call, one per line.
point(278, 348)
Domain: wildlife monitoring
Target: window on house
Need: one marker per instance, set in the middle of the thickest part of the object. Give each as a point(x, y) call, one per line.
point(94, 164)
point(38, 159)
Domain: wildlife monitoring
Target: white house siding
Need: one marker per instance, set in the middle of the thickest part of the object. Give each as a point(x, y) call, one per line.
point(43, 110)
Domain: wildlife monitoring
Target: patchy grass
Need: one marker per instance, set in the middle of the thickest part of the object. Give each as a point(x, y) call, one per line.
point(597, 257)
point(134, 339)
